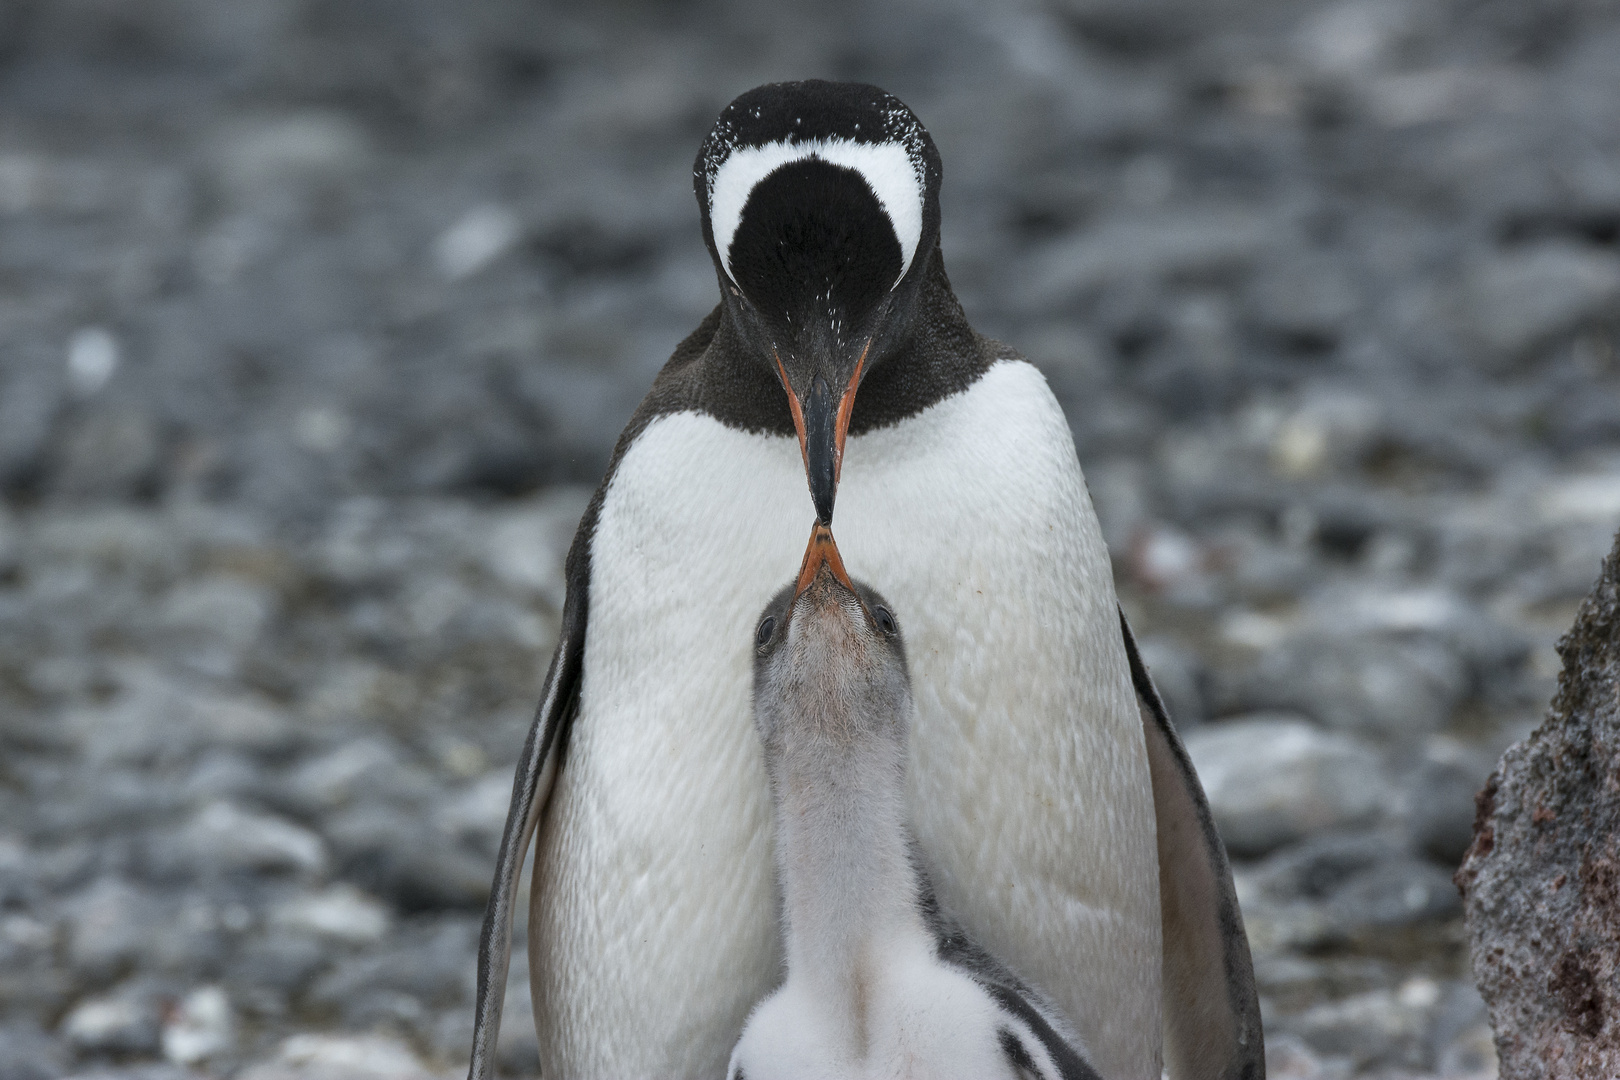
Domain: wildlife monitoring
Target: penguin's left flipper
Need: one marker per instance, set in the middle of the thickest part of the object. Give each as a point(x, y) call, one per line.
point(536, 772)
point(1211, 1010)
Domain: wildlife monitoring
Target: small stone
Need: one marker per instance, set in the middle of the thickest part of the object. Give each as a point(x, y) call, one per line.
point(117, 1023)
point(341, 912)
point(1164, 244)
point(224, 610)
point(1470, 1056)
point(1440, 801)
point(1306, 301)
point(1583, 497)
point(1331, 427)
point(1355, 36)
point(479, 237)
point(402, 858)
point(1271, 780)
point(108, 925)
point(361, 766)
point(431, 963)
point(112, 450)
point(224, 836)
point(1377, 1028)
point(1393, 689)
point(1516, 301)
point(258, 157)
point(321, 428)
point(27, 1053)
point(341, 1057)
point(1396, 894)
point(199, 1027)
point(279, 962)
point(1289, 1058)
point(92, 357)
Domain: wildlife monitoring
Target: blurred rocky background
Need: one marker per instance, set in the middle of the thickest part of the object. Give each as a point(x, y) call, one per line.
point(318, 318)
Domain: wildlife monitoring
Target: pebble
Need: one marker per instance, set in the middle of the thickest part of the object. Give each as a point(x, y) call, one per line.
point(341, 912)
point(1379, 687)
point(1271, 780)
point(226, 836)
point(1440, 800)
point(199, 1027)
point(338, 1057)
point(118, 1023)
point(1517, 300)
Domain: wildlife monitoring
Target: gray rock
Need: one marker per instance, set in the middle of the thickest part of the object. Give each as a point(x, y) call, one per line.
point(1518, 300)
point(1363, 882)
point(112, 451)
point(199, 1027)
point(341, 1057)
point(1377, 1028)
point(1309, 301)
point(1273, 780)
point(342, 913)
point(1540, 879)
point(1395, 894)
point(1202, 240)
point(279, 963)
point(1440, 801)
point(223, 837)
point(109, 923)
point(401, 857)
point(430, 963)
point(27, 1053)
point(125, 1021)
point(1376, 686)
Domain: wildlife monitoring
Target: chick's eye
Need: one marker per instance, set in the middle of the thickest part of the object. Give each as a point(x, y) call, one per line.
point(767, 626)
point(885, 621)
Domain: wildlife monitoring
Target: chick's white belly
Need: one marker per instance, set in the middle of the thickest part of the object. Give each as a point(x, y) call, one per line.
point(653, 918)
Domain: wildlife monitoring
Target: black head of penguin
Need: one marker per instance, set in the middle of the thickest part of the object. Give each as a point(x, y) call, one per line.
point(820, 208)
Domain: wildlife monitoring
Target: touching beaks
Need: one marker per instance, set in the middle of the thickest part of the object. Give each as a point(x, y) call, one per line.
point(822, 551)
point(821, 417)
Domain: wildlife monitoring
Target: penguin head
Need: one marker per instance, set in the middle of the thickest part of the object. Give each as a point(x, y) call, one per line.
point(820, 208)
point(829, 662)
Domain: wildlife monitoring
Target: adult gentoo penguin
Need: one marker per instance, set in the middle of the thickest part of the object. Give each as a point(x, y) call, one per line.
point(1059, 817)
point(880, 983)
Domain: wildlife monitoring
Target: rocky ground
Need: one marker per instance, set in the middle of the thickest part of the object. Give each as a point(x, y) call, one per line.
point(315, 316)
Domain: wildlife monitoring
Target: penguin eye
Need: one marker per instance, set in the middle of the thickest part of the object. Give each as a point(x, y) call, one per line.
point(884, 620)
point(767, 626)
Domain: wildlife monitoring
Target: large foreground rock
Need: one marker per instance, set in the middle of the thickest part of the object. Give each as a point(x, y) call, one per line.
point(1541, 881)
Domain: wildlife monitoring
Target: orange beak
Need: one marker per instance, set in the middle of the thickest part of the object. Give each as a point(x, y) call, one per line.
point(821, 551)
point(822, 422)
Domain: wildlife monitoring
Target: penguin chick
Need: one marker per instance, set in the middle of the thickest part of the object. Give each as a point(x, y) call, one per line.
point(880, 983)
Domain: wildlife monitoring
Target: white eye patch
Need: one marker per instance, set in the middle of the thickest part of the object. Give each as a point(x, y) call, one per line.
point(887, 168)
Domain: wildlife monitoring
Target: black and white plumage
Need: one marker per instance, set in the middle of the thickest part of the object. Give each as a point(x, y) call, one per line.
point(880, 983)
point(1047, 789)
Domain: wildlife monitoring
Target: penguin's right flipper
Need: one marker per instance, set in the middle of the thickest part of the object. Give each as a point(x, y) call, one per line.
point(1211, 1009)
point(537, 771)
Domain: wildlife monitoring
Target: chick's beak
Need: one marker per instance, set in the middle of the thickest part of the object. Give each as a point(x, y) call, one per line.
point(821, 417)
point(821, 556)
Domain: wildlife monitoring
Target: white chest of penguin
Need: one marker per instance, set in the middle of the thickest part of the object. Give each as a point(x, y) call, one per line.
point(653, 918)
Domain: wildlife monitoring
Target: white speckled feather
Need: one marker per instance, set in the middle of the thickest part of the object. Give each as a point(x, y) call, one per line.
point(1029, 786)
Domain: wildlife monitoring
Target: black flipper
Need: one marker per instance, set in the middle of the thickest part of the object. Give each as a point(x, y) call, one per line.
point(536, 773)
point(1211, 1009)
